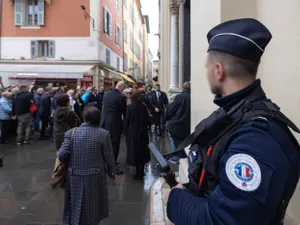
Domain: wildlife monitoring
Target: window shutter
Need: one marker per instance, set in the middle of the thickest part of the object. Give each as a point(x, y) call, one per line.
point(52, 49)
point(18, 13)
point(117, 35)
point(110, 22)
point(33, 49)
point(124, 28)
point(41, 14)
point(120, 38)
point(105, 20)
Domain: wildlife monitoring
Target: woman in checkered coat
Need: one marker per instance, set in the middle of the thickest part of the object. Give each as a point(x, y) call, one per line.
point(89, 154)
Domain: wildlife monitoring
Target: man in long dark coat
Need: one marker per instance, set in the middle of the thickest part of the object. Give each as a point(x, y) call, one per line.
point(159, 102)
point(113, 113)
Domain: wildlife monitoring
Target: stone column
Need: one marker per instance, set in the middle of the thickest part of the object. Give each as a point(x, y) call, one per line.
point(174, 10)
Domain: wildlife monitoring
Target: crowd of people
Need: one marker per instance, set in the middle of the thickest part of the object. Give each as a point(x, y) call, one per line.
point(86, 127)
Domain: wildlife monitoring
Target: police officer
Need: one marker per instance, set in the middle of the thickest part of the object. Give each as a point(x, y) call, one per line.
point(244, 162)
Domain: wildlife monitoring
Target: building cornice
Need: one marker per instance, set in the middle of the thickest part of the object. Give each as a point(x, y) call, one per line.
point(12, 1)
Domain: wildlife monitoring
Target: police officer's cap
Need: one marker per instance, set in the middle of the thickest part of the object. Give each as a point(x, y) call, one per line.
point(245, 38)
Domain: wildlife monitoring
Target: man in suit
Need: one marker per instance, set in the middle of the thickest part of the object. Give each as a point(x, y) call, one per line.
point(99, 98)
point(159, 102)
point(45, 110)
point(113, 113)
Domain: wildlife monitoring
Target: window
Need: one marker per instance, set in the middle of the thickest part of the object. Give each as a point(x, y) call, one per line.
point(125, 62)
point(140, 35)
point(44, 49)
point(118, 36)
point(135, 69)
point(107, 56)
point(118, 63)
point(125, 31)
point(107, 22)
point(132, 14)
point(29, 12)
point(131, 41)
point(118, 5)
point(137, 50)
point(131, 65)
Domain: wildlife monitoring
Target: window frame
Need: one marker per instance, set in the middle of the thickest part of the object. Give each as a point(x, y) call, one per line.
point(107, 24)
point(125, 62)
point(118, 6)
point(118, 63)
point(125, 31)
point(118, 36)
point(35, 48)
point(22, 12)
point(107, 56)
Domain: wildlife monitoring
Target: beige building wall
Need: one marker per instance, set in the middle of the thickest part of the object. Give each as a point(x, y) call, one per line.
point(280, 67)
point(164, 45)
point(133, 26)
point(145, 51)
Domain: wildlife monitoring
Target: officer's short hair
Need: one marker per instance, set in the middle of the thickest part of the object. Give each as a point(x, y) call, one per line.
point(236, 67)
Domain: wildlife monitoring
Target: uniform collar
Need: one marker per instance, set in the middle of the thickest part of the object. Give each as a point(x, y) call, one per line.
point(236, 97)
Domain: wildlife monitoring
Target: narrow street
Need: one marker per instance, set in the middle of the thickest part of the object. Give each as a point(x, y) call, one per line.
point(26, 197)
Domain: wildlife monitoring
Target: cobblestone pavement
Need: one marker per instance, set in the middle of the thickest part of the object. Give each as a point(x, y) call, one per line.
point(26, 197)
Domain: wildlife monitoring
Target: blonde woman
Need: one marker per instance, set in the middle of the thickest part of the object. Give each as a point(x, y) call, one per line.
point(72, 100)
point(5, 116)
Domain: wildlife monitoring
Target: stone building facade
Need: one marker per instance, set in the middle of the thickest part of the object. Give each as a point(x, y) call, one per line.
point(183, 47)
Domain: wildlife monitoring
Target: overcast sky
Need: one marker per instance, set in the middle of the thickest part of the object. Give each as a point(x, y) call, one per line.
point(150, 8)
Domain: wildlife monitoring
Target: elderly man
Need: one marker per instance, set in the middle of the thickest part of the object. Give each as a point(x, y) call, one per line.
point(244, 163)
point(179, 116)
point(113, 112)
point(21, 110)
point(45, 110)
point(99, 98)
point(36, 100)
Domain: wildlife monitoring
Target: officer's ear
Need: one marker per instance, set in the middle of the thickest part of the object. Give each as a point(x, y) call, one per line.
point(220, 71)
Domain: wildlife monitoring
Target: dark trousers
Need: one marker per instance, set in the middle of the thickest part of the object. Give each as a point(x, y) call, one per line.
point(176, 142)
point(45, 122)
point(140, 170)
point(5, 125)
point(159, 120)
point(116, 149)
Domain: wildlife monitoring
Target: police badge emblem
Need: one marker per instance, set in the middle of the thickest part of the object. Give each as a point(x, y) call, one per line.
point(243, 172)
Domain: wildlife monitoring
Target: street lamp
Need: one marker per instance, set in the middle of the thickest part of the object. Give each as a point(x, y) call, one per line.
point(86, 15)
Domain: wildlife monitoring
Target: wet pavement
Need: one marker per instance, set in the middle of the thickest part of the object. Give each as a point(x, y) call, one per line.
point(26, 197)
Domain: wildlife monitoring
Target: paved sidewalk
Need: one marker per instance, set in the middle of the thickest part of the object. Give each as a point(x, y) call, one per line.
point(26, 197)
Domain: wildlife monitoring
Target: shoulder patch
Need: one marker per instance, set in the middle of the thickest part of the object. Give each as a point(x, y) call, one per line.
point(243, 172)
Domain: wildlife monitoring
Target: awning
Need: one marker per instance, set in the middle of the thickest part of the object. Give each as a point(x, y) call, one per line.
point(44, 71)
point(120, 75)
point(126, 78)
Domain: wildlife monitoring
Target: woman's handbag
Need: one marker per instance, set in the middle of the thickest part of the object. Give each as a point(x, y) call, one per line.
point(60, 171)
point(33, 109)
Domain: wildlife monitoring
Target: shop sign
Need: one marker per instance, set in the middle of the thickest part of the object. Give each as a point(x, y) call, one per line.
point(87, 79)
point(108, 82)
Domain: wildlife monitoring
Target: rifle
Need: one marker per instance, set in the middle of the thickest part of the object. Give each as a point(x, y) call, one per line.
point(165, 170)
